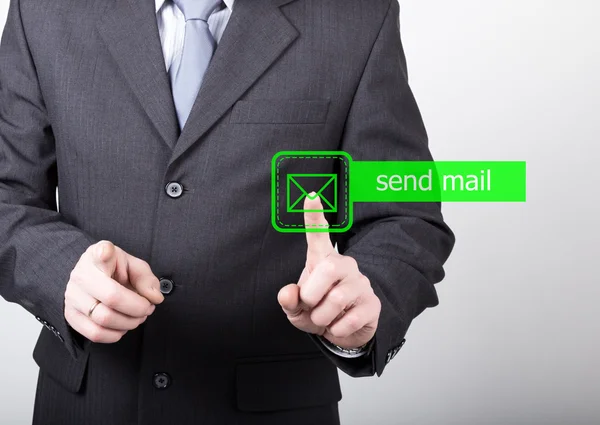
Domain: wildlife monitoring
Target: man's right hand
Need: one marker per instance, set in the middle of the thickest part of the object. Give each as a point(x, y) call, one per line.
point(125, 286)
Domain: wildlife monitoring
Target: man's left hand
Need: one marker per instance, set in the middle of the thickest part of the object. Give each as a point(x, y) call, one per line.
point(332, 297)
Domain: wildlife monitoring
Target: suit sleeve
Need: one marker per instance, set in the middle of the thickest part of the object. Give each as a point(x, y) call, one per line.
point(38, 248)
point(400, 247)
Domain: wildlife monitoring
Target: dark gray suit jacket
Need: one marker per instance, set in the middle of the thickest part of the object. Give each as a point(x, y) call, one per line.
point(85, 105)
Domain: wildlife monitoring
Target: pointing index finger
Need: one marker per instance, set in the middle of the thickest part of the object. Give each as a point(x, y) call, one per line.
point(319, 243)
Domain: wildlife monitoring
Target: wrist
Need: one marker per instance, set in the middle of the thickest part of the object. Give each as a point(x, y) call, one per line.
point(349, 353)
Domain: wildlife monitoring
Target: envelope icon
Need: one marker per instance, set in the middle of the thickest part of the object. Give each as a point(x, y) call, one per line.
point(299, 186)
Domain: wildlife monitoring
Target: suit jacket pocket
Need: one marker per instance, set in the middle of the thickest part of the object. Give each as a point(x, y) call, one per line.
point(280, 112)
point(55, 361)
point(286, 382)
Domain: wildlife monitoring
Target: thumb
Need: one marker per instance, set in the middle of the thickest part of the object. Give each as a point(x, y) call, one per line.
point(104, 257)
point(143, 280)
point(289, 300)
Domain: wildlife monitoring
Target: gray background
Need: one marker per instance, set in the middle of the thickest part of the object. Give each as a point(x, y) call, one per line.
point(516, 337)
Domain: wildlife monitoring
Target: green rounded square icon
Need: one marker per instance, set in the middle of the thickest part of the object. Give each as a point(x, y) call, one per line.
point(296, 175)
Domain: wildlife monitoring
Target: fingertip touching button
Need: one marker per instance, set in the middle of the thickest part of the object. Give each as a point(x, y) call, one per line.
point(166, 286)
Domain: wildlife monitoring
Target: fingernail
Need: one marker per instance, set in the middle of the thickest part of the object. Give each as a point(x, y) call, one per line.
point(150, 310)
point(100, 250)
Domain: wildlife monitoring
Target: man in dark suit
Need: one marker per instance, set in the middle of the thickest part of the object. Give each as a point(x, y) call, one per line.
point(165, 292)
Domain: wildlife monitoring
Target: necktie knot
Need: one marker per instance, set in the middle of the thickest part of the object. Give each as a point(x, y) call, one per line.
point(197, 9)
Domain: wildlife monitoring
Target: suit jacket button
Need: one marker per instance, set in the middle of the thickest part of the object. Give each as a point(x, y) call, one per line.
point(161, 380)
point(174, 189)
point(166, 286)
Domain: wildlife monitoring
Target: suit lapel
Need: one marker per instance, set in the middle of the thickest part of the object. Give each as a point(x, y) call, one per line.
point(129, 30)
point(256, 35)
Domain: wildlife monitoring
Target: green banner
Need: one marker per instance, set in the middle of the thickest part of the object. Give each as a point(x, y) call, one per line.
point(446, 181)
point(339, 182)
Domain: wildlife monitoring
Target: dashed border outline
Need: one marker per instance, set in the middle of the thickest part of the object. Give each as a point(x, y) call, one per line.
point(276, 220)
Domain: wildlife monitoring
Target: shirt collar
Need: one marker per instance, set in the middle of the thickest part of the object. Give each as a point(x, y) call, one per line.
point(159, 4)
